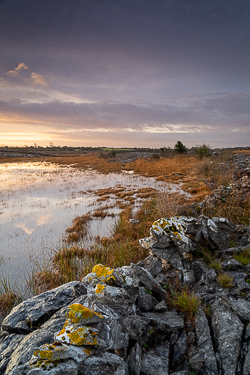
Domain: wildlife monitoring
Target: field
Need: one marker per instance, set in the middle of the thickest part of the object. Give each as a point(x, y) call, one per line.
point(198, 177)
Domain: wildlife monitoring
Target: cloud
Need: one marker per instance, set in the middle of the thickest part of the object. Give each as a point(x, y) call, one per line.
point(12, 73)
point(24, 228)
point(38, 79)
point(21, 66)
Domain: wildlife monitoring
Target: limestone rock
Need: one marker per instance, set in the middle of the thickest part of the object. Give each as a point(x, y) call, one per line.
point(156, 361)
point(145, 301)
point(8, 343)
point(204, 344)
point(228, 331)
point(134, 360)
point(169, 320)
point(104, 364)
point(152, 263)
point(31, 313)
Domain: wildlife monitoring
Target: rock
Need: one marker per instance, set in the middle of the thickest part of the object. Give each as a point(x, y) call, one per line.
point(134, 360)
point(247, 333)
point(232, 265)
point(145, 301)
point(169, 254)
point(8, 343)
point(228, 331)
point(149, 282)
point(152, 263)
point(204, 344)
point(135, 326)
point(45, 335)
point(161, 307)
point(239, 280)
point(179, 350)
point(66, 368)
point(169, 320)
point(203, 274)
point(104, 364)
point(246, 364)
point(31, 313)
point(116, 298)
point(239, 306)
point(156, 361)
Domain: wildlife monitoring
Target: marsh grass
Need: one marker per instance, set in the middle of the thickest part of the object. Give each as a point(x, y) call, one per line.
point(233, 208)
point(10, 296)
point(122, 248)
point(78, 229)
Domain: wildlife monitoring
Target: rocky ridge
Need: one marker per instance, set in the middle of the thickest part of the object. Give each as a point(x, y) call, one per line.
point(121, 321)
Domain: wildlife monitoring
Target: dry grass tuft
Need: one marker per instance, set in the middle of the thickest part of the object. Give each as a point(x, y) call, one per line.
point(78, 229)
point(225, 280)
point(186, 302)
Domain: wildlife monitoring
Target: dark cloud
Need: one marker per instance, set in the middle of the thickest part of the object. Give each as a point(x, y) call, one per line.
point(139, 64)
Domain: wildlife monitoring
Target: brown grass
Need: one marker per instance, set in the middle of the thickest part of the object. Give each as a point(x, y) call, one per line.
point(78, 228)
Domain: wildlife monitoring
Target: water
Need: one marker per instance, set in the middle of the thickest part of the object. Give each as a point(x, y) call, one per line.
point(38, 201)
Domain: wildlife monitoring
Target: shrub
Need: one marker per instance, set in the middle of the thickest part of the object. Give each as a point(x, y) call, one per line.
point(203, 150)
point(180, 148)
point(113, 153)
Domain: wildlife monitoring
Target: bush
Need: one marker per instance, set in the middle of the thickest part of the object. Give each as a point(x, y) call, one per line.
point(203, 150)
point(113, 153)
point(180, 148)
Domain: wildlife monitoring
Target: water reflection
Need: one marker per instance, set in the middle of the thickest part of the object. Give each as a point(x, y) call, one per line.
point(38, 202)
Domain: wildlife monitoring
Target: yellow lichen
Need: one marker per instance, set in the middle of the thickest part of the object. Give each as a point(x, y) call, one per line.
point(99, 288)
point(103, 273)
point(78, 312)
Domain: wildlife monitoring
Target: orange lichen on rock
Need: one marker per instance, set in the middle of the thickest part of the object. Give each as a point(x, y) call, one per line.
point(79, 336)
point(103, 273)
point(78, 312)
point(99, 288)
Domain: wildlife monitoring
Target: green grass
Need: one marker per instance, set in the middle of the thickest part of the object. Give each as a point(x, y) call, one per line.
point(225, 280)
point(243, 257)
point(186, 302)
point(10, 296)
point(215, 264)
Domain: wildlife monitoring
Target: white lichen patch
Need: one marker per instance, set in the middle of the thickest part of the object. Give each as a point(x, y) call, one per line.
point(212, 225)
point(173, 228)
point(147, 243)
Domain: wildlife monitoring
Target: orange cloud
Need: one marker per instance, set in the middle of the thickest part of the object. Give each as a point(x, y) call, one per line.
point(38, 79)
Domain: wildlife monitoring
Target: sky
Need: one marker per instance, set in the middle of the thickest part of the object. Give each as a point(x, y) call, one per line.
point(125, 73)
